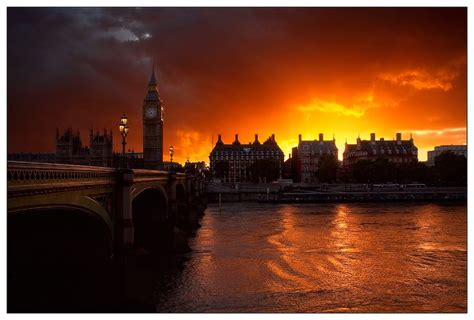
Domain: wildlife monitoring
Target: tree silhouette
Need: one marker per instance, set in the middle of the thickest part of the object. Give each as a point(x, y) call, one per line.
point(221, 169)
point(327, 168)
point(264, 169)
point(450, 169)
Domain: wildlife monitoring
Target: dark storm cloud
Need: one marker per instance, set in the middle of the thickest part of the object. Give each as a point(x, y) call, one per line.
point(79, 59)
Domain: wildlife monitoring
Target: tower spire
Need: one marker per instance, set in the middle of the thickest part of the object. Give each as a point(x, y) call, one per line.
point(153, 78)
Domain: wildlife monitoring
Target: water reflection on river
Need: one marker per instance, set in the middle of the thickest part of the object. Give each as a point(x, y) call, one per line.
point(323, 258)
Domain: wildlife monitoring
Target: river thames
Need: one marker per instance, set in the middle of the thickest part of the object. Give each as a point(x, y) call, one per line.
point(251, 257)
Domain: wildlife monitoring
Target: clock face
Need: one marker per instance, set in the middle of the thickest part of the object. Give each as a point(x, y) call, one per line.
point(150, 112)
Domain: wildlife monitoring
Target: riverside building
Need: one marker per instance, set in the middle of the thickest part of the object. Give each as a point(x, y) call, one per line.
point(460, 150)
point(396, 151)
point(232, 161)
point(306, 156)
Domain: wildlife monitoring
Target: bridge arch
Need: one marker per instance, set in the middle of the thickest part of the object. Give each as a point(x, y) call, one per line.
point(150, 215)
point(67, 201)
point(57, 253)
point(79, 230)
point(140, 188)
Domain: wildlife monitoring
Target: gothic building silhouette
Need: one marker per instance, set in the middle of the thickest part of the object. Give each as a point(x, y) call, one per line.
point(69, 148)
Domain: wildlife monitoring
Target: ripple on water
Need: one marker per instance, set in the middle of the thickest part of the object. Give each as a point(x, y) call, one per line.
point(324, 258)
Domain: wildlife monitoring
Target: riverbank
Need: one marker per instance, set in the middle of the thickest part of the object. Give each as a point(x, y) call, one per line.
point(348, 197)
point(273, 193)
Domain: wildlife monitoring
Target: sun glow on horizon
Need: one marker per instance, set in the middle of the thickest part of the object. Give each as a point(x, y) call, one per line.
point(345, 82)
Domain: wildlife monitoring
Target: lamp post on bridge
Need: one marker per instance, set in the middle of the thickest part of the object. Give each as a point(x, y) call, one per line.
point(123, 127)
point(171, 154)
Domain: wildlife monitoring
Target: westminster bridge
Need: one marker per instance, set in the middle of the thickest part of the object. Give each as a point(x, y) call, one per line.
point(104, 209)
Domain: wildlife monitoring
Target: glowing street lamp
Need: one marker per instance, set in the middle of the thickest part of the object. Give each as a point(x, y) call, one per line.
point(171, 154)
point(123, 127)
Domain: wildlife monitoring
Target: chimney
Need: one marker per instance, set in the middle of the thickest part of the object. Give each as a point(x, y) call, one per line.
point(256, 138)
point(219, 138)
point(236, 137)
point(382, 139)
point(399, 136)
point(273, 137)
point(372, 137)
point(299, 138)
point(320, 137)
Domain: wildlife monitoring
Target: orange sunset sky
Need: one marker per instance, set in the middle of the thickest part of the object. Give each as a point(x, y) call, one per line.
point(344, 71)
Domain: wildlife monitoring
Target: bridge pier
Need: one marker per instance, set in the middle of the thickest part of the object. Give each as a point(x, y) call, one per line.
point(124, 230)
point(195, 205)
point(201, 205)
point(172, 201)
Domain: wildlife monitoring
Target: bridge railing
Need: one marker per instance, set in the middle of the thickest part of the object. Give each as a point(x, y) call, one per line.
point(36, 176)
point(21, 175)
point(143, 175)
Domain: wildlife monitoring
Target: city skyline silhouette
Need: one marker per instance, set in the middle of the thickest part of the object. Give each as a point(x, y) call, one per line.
point(346, 71)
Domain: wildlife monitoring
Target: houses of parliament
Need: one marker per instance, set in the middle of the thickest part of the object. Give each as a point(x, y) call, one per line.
point(70, 148)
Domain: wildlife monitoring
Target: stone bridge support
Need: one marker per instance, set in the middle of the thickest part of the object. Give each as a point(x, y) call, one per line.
point(124, 230)
point(194, 204)
point(172, 201)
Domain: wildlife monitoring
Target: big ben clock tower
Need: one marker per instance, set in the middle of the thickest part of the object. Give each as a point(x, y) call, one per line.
point(152, 127)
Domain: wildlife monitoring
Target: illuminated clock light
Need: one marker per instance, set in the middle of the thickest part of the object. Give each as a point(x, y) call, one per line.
point(151, 112)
